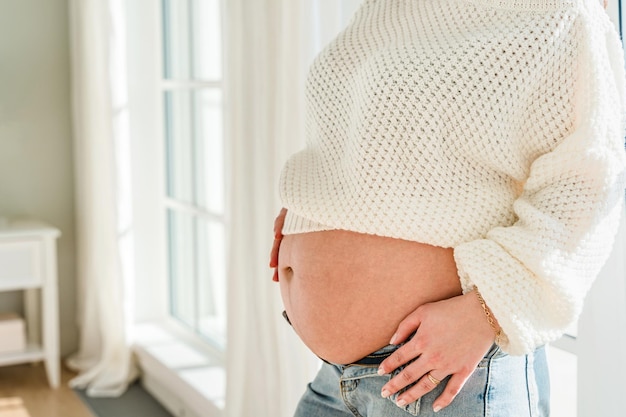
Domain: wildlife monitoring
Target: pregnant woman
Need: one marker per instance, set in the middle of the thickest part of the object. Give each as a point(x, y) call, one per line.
point(459, 192)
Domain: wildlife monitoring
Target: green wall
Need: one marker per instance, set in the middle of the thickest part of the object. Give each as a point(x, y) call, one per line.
point(36, 167)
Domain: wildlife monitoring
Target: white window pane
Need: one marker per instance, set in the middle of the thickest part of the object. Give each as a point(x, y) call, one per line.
point(192, 39)
point(212, 281)
point(206, 40)
point(182, 272)
point(195, 157)
point(179, 146)
point(176, 39)
point(209, 144)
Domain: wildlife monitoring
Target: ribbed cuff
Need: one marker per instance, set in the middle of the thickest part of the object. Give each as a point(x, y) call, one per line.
point(298, 224)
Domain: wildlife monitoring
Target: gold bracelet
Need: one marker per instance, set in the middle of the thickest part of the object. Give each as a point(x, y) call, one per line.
point(490, 319)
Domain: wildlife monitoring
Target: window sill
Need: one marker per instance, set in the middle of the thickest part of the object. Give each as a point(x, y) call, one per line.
point(186, 381)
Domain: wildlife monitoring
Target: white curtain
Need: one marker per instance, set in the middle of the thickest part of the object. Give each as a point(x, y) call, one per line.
point(269, 45)
point(100, 136)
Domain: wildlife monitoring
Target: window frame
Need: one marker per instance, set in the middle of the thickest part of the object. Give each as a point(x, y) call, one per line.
point(180, 82)
point(152, 327)
point(150, 200)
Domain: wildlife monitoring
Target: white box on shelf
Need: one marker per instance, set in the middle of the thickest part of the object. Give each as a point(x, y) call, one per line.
point(12, 333)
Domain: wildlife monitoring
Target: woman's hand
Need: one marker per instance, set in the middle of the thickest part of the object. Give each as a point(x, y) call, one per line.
point(278, 237)
point(452, 337)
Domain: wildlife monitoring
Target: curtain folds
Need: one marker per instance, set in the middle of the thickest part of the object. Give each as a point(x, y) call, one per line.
point(268, 367)
point(269, 46)
point(100, 131)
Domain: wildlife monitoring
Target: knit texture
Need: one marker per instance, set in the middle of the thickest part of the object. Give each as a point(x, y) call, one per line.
point(492, 127)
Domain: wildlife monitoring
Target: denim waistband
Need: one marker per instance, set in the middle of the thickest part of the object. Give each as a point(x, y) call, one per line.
point(377, 357)
point(373, 358)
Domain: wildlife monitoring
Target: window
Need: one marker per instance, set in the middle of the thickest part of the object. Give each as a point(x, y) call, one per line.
point(194, 166)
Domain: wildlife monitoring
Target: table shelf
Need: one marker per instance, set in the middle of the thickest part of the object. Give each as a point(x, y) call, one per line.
point(28, 263)
point(32, 353)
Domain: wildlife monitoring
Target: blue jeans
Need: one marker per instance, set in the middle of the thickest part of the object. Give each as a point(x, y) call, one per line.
point(501, 386)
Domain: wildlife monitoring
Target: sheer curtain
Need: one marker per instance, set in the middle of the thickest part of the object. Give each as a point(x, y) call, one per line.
point(269, 45)
point(100, 137)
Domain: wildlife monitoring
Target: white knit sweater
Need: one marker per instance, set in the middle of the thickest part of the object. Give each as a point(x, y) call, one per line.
point(494, 127)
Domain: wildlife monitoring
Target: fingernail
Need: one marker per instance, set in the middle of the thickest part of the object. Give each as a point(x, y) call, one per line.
point(393, 339)
point(385, 393)
point(401, 403)
point(380, 372)
point(437, 408)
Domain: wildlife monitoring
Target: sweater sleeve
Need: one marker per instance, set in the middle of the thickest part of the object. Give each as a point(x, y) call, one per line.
point(535, 273)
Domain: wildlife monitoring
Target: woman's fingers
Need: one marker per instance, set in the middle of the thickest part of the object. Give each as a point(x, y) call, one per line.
point(409, 375)
point(406, 328)
point(274, 253)
point(403, 355)
point(408, 351)
point(453, 387)
point(278, 236)
point(428, 382)
point(279, 222)
point(421, 381)
point(452, 338)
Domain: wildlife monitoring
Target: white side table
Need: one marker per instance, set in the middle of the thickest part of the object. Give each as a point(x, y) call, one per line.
point(28, 262)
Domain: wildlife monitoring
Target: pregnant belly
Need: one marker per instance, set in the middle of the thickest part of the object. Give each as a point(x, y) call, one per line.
point(345, 293)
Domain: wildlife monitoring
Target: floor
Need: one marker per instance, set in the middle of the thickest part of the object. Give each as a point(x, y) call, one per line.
point(24, 392)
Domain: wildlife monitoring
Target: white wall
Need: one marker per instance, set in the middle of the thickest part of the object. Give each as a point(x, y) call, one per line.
point(36, 176)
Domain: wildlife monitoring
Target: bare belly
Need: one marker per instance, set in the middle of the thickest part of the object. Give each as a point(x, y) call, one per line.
point(345, 293)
